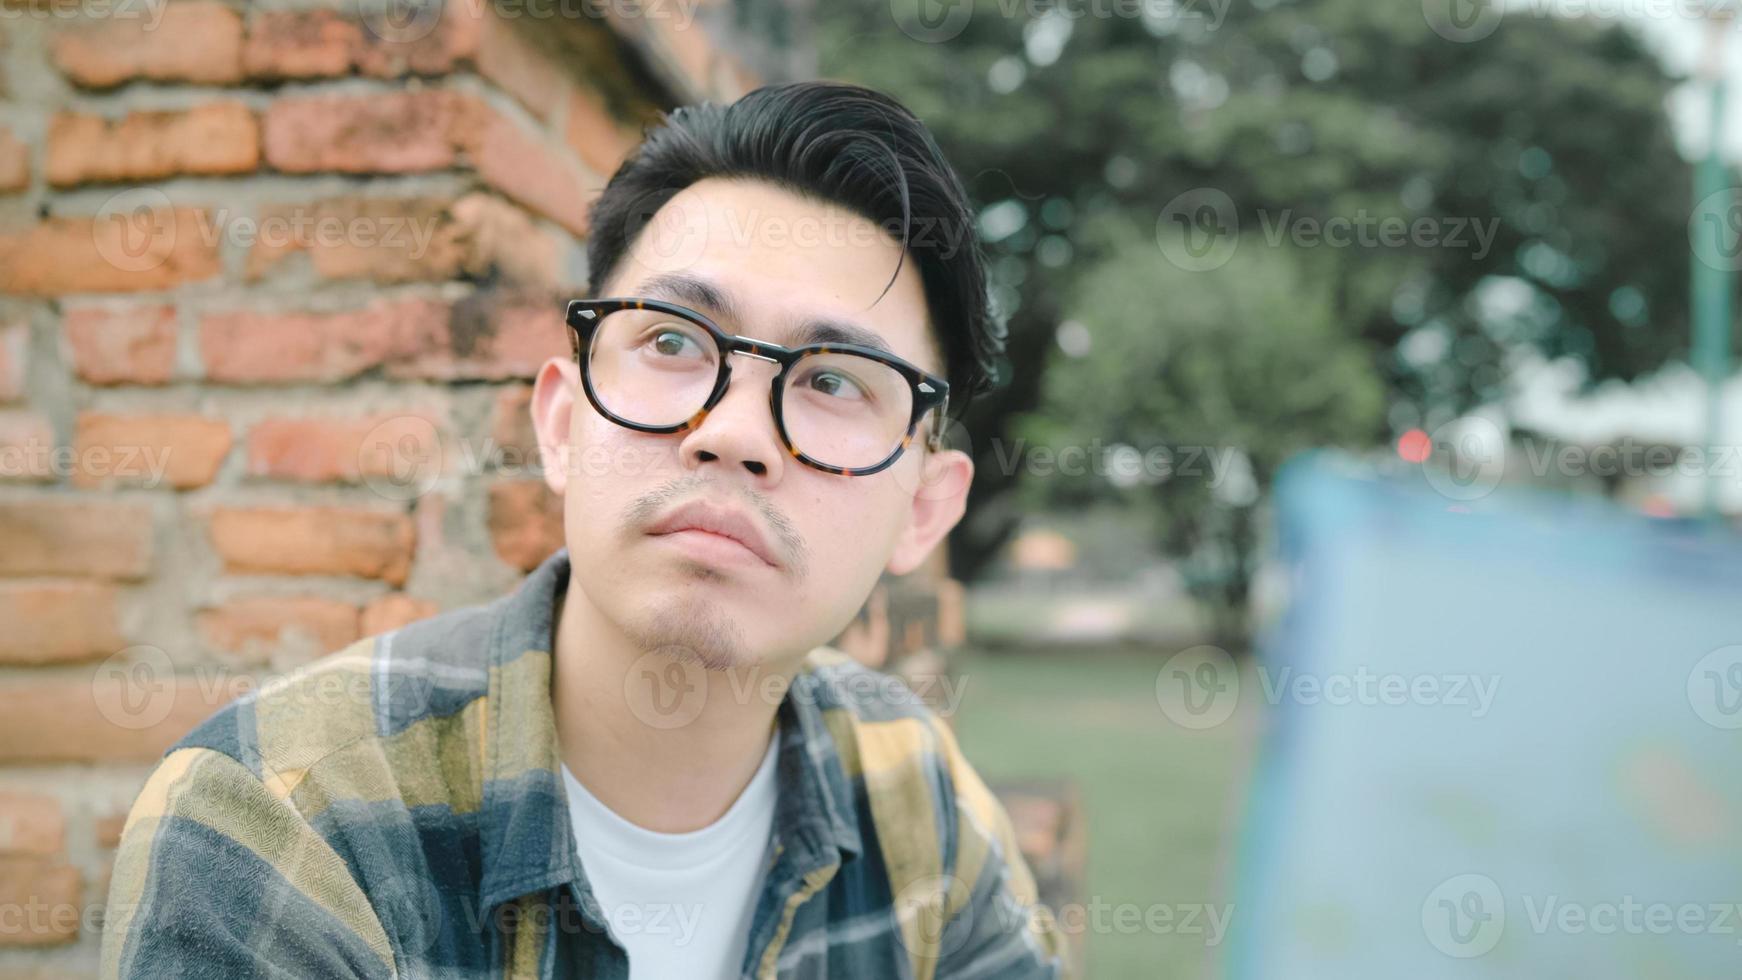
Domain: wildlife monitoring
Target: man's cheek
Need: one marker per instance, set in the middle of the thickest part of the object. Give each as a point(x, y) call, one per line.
point(874, 515)
point(854, 542)
point(623, 455)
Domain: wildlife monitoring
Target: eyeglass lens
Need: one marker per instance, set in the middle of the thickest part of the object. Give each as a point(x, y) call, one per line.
point(840, 409)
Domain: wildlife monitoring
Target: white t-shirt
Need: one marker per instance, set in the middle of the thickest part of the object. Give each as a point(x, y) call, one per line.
point(680, 904)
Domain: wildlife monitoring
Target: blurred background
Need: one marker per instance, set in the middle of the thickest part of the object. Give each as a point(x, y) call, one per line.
point(274, 275)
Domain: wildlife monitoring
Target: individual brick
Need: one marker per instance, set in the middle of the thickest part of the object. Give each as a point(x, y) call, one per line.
point(121, 345)
point(217, 139)
point(85, 538)
point(314, 541)
point(178, 451)
point(197, 42)
point(58, 622)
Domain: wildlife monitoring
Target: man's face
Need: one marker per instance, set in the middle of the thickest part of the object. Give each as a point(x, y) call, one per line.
point(781, 260)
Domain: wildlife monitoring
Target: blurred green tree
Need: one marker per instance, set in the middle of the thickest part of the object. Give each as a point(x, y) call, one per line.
point(1197, 399)
point(1538, 153)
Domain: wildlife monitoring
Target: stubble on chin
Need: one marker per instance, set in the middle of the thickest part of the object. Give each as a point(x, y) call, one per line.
point(692, 630)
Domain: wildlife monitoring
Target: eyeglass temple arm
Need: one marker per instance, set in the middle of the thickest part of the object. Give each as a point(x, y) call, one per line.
point(935, 440)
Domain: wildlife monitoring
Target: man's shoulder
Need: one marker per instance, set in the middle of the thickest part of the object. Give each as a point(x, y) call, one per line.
point(891, 742)
point(378, 687)
point(834, 681)
point(300, 805)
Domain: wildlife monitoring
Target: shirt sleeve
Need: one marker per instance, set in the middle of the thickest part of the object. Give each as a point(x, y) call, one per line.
point(995, 924)
point(216, 876)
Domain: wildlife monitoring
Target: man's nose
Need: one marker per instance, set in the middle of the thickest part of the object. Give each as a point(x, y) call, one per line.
point(740, 429)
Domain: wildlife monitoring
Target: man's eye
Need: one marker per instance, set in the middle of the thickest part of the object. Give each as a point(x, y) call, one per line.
point(836, 384)
point(671, 343)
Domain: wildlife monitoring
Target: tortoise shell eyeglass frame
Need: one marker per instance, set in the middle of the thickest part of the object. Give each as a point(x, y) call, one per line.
point(929, 391)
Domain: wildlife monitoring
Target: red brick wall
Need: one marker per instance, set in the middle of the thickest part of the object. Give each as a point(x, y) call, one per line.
point(272, 283)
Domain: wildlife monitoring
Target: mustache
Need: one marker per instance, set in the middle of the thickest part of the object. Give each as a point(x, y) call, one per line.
point(787, 539)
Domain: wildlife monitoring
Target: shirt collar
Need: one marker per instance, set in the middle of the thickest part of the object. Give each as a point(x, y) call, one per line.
point(527, 841)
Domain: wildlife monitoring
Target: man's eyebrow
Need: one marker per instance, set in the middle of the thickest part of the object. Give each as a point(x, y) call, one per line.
point(719, 302)
point(821, 330)
point(693, 291)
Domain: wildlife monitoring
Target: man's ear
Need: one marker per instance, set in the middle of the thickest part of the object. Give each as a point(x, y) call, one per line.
point(938, 504)
point(553, 409)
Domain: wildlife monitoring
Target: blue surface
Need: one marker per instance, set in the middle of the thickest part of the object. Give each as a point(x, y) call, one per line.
point(1583, 819)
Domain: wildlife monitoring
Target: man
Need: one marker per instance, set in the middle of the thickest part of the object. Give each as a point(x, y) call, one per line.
point(644, 762)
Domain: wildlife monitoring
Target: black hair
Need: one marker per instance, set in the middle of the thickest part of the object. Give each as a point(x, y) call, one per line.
point(841, 144)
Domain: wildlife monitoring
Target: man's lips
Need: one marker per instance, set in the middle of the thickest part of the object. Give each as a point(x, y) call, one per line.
point(718, 522)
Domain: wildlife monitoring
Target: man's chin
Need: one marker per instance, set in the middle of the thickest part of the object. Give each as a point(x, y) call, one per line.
point(694, 629)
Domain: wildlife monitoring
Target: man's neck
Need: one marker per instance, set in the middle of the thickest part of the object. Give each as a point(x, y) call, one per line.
point(667, 745)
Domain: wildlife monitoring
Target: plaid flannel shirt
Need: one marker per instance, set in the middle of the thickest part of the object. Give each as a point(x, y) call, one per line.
point(395, 810)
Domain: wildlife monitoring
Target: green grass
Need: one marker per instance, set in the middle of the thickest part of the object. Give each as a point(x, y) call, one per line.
point(1160, 799)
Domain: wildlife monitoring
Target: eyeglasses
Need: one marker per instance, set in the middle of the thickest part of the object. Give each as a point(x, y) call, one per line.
point(653, 366)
